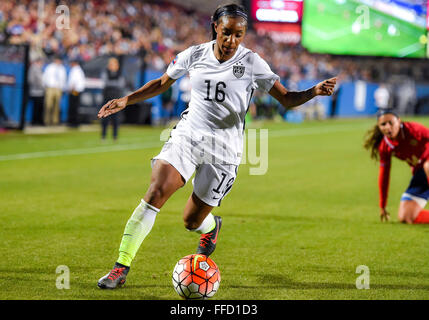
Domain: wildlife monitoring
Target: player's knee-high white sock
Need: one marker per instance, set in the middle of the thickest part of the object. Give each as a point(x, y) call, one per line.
point(207, 225)
point(136, 230)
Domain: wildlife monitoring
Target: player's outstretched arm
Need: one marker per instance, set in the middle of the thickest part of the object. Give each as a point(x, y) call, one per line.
point(290, 99)
point(149, 90)
point(383, 186)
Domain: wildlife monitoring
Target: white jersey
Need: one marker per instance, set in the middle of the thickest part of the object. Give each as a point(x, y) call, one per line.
point(220, 97)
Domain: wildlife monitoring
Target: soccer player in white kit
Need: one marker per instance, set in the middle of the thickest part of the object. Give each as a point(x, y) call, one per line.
point(208, 140)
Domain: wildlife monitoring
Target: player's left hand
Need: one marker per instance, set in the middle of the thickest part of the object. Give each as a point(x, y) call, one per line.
point(113, 106)
point(384, 215)
point(326, 87)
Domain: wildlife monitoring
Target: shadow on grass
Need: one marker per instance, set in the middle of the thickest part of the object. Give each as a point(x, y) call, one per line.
point(81, 287)
point(374, 272)
point(287, 218)
point(272, 281)
point(128, 292)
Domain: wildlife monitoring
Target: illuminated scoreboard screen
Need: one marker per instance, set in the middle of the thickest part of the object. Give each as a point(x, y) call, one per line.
point(281, 19)
point(276, 10)
point(394, 28)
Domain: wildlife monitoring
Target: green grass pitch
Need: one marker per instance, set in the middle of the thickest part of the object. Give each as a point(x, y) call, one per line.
point(328, 28)
point(297, 232)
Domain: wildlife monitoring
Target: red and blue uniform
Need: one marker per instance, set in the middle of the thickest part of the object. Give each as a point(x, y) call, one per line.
point(411, 146)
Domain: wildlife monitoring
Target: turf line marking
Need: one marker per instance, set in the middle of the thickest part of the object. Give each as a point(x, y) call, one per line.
point(55, 153)
point(139, 146)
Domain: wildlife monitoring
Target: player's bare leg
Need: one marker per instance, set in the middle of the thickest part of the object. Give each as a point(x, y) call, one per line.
point(197, 217)
point(165, 180)
point(195, 212)
point(408, 211)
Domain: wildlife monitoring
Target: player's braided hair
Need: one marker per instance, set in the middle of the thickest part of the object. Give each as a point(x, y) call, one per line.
point(233, 10)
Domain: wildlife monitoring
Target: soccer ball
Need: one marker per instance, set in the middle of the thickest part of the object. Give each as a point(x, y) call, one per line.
point(196, 276)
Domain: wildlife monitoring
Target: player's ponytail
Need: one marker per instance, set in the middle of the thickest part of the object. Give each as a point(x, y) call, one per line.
point(233, 10)
point(373, 139)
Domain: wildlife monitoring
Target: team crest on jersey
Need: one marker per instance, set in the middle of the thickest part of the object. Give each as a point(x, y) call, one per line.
point(238, 70)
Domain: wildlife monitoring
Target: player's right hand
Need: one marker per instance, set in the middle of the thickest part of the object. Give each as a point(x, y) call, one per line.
point(112, 107)
point(326, 87)
point(384, 215)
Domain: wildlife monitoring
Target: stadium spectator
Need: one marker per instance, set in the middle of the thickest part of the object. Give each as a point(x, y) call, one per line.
point(76, 85)
point(36, 90)
point(382, 97)
point(263, 105)
point(185, 89)
point(167, 99)
point(407, 141)
point(54, 81)
point(314, 109)
point(114, 85)
point(334, 101)
point(3, 118)
point(407, 96)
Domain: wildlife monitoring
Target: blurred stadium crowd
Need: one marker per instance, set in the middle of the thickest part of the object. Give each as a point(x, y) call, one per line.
point(157, 31)
point(101, 27)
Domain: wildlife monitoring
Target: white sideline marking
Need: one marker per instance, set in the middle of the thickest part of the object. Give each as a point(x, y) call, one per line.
point(137, 146)
point(68, 152)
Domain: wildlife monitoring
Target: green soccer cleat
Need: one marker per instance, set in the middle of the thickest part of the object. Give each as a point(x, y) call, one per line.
point(115, 278)
point(208, 240)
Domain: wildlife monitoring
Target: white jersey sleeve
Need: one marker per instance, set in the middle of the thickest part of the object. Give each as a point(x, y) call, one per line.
point(180, 65)
point(263, 77)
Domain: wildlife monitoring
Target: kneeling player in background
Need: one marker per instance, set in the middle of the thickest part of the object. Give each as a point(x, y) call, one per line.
point(407, 141)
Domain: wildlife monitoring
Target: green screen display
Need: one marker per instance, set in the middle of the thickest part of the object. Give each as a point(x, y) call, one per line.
point(352, 27)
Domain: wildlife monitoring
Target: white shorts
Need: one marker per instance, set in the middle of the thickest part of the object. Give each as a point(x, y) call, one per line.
point(420, 201)
point(212, 181)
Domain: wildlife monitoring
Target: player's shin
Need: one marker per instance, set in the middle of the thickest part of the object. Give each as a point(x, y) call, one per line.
point(136, 230)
